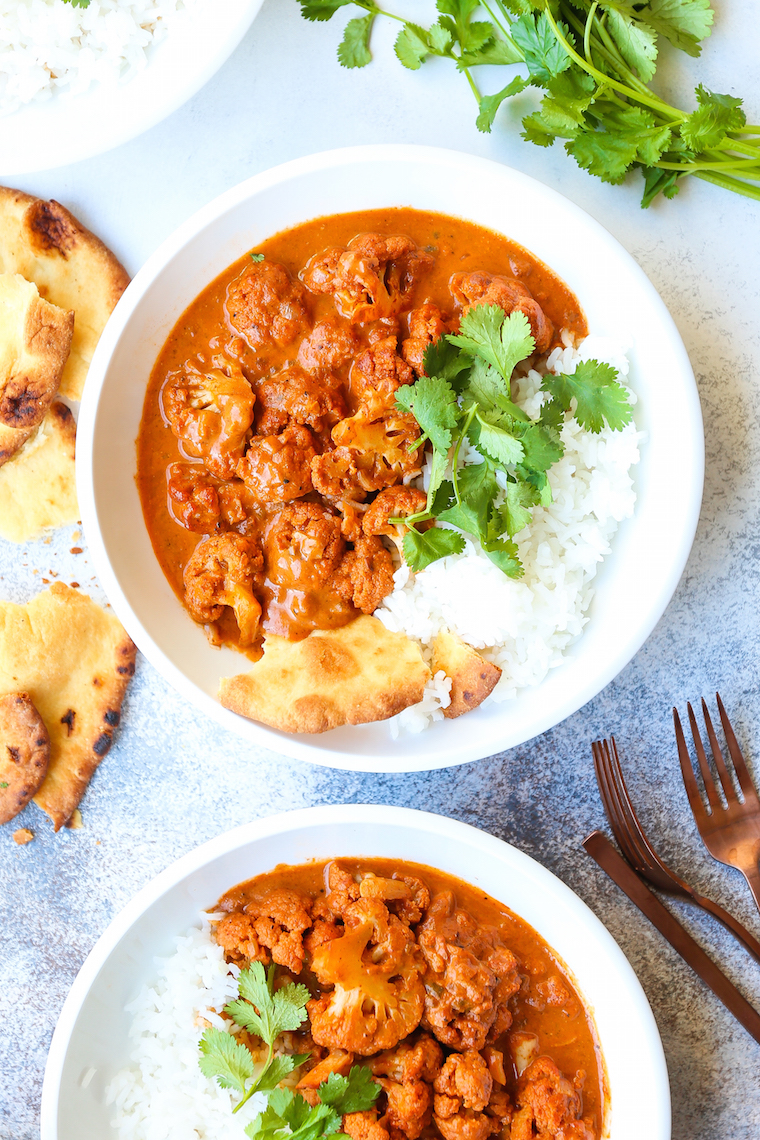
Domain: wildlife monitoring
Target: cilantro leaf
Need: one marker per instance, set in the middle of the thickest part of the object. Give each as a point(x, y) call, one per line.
point(493, 52)
point(715, 116)
point(477, 489)
point(78, 3)
point(422, 548)
point(225, 1059)
point(636, 42)
point(517, 509)
point(353, 50)
point(491, 390)
point(444, 360)
point(598, 395)
point(489, 104)
point(606, 155)
point(501, 341)
point(683, 22)
point(278, 1069)
point(257, 256)
point(432, 402)
point(542, 446)
point(412, 46)
point(497, 443)
point(319, 9)
point(658, 182)
point(544, 54)
point(439, 39)
point(504, 554)
point(438, 465)
point(355, 1093)
point(562, 109)
point(274, 1012)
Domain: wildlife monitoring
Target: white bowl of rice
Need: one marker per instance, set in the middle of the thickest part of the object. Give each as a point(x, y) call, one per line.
point(81, 79)
point(601, 563)
point(123, 1061)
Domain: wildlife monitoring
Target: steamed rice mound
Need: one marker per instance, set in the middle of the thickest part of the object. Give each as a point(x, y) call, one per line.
point(526, 625)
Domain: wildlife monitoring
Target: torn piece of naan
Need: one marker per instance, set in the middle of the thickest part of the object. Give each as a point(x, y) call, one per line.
point(38, 483)
point(353, 675)
point(472, 677)
point(35, 338)
point(75, 661)
point(69, 265)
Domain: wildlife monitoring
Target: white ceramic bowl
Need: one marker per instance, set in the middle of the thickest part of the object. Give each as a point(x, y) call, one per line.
point(92, 1030)
point(65, 128)
point(650, 550)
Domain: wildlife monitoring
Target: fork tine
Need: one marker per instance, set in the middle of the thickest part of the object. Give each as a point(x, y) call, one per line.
point(745, 780)
point(612, 801)
point(729, 791)
point(634, 827)
point(704, 767)
point(690, 783)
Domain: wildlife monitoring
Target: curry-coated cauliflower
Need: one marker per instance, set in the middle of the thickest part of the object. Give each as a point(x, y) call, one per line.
point(222, 571)
point(211, 413)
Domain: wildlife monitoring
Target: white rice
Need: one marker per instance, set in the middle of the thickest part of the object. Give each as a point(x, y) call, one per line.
point(526, 625)
point(50, 47)
point(164, 1095)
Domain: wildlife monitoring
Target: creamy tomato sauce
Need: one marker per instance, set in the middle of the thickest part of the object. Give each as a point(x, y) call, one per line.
point(269, 426)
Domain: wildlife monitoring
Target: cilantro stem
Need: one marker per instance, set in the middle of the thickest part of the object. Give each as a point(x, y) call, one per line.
point(729, 183)
point(455, 459)
point(587, 32)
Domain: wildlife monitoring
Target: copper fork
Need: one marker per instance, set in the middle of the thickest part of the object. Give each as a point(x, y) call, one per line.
point(732, 833)
point(637, 848)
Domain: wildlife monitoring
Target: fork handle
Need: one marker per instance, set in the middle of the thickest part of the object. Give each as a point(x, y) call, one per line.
point(752, 875)
point(747, 940)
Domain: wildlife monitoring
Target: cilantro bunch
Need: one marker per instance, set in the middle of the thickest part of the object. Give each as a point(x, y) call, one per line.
point(267, 1012)
point(466, 395)
point(593, 60)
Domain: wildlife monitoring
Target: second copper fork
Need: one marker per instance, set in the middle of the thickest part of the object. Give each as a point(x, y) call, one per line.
point(731, 833)
point(637, 848)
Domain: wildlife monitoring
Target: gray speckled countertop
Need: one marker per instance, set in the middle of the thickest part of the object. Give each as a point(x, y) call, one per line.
point(173, 779)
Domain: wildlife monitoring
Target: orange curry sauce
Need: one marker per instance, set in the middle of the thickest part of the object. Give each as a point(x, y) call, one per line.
point(293, 596)
point(548, 1017)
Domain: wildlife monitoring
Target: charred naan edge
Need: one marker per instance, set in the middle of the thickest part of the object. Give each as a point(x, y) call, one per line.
point(35, 338)
point(69, 265)
point(38, 484)
point(353, 675)
point(75, 661)
point(24, 753)
point(472, 677)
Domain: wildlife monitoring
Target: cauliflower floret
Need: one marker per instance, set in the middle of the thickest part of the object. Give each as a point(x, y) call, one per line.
point(377, 995)
point(294, 396)
point(193, 497)
point(370, 279)
point(470, 977)
point(222, 571)
point(426, 325)
point(274, 925)
point(365, 576)
point(328, 346)
point(549, 1105)
point(420, 1060)
point(277, 468)
point(364, 1126)
point(265, 304)
point(378, 373)
point(304, 545)
point(210, 413)
point(395, 502)
point(465, 1077)
point(470, 289)
point(381, 449)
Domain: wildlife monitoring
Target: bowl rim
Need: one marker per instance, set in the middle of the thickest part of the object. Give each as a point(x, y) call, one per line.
point(72, 128)
point(318, 750)
point(441, 826)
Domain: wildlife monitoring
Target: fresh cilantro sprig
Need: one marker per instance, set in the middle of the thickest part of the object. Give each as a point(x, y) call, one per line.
point(593, 60)
point(266, 1012)
point(466, 395)
point(289, 1117)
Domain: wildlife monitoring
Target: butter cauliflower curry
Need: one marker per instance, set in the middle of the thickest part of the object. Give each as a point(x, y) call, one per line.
point(272, 455)
point(457, 1008)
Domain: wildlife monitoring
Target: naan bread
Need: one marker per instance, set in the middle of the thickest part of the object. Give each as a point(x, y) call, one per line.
point(24, 753)
point(472, 677)
point(75, 661)
point(35, 338)
point(359, 673)
point(37, 485)
point(71, 268)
